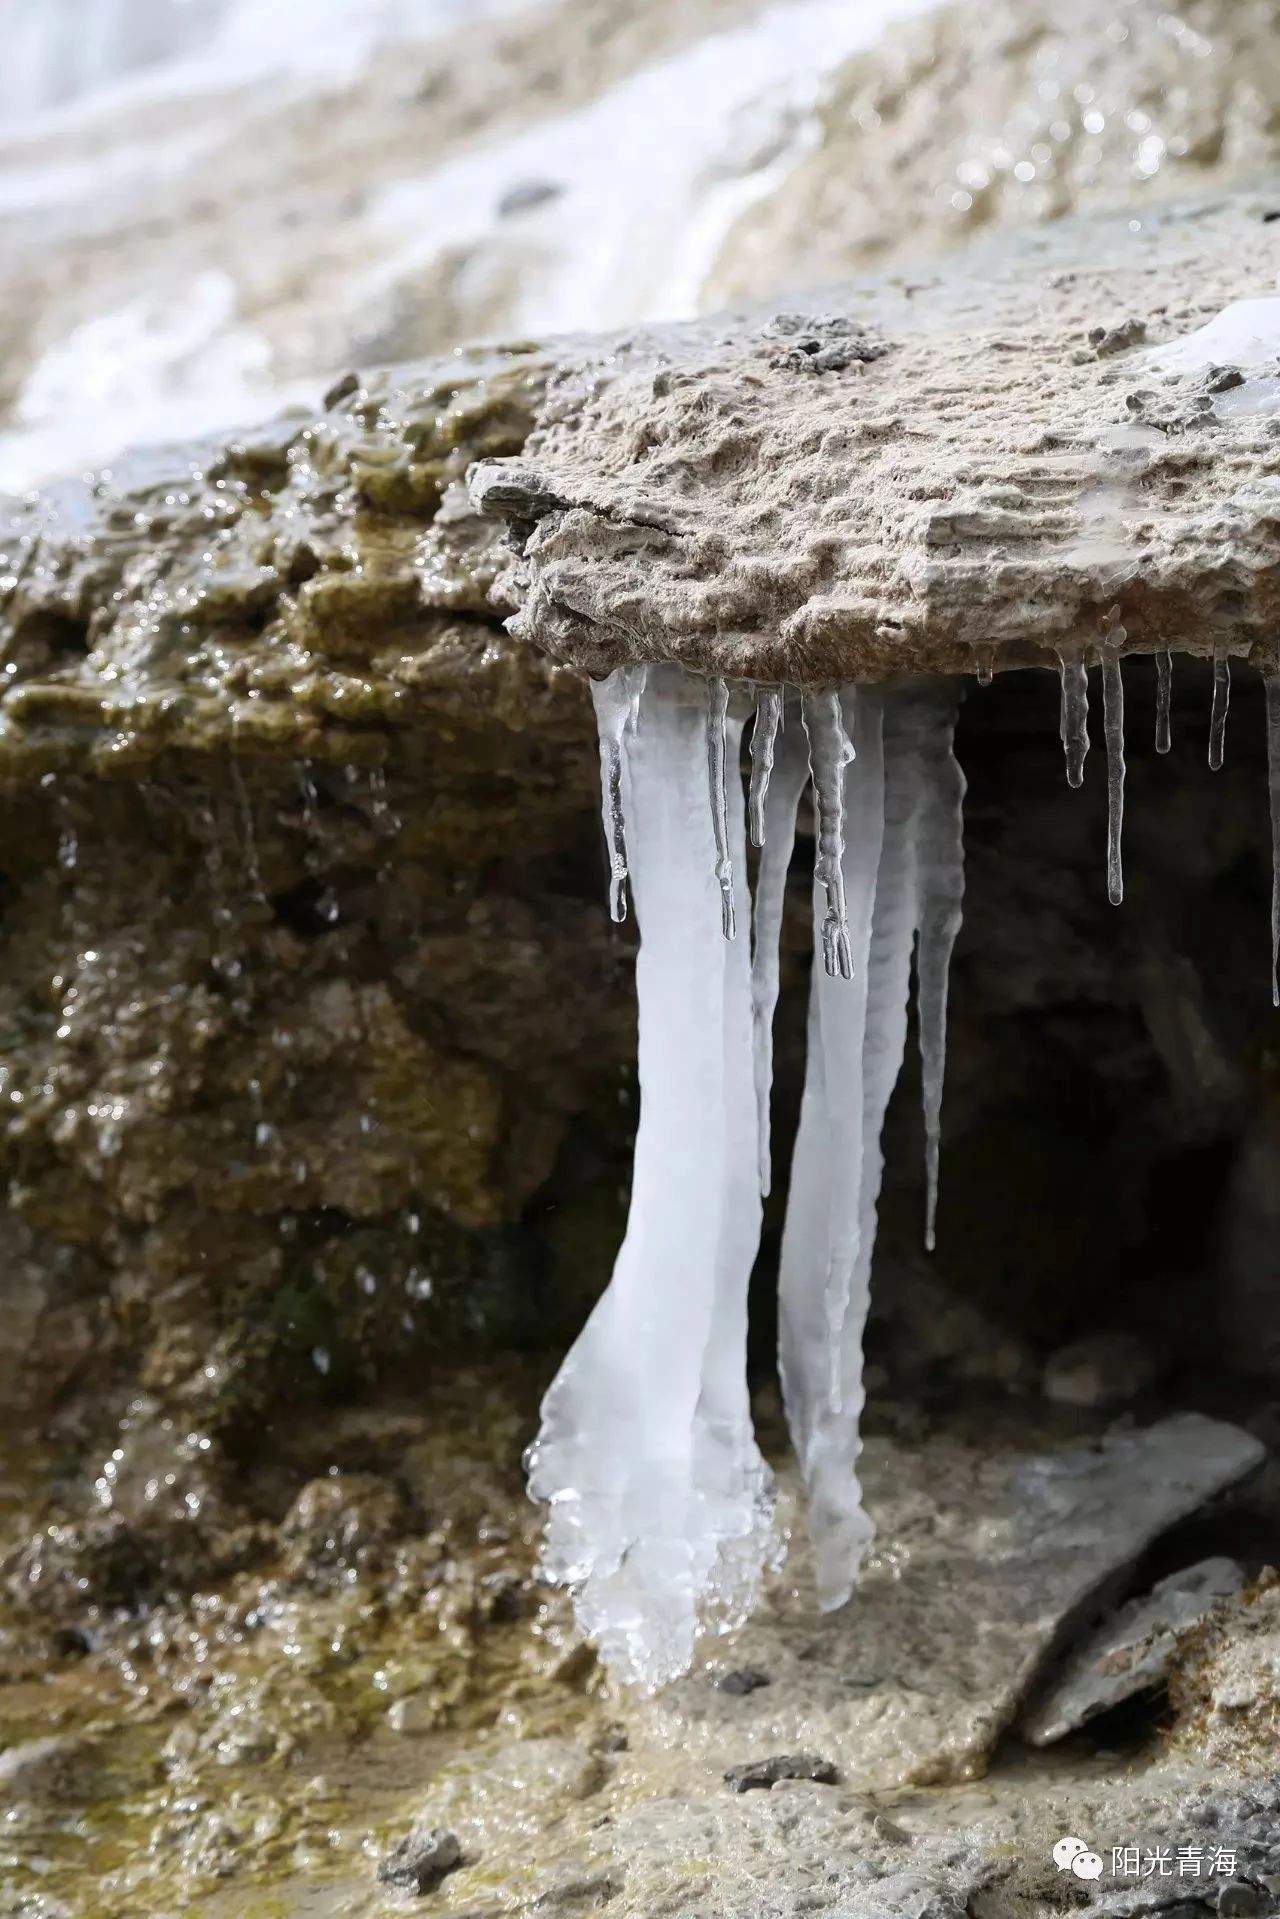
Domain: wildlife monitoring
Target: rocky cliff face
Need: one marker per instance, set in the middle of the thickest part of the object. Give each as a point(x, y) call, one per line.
point(315, 1075)
point(277, 786)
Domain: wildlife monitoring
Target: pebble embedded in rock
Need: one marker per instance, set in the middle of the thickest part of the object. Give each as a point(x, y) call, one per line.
point(421, 1860)
point(42, 1769)
point(742, 1680)
point(338, 1520)
point(758, 1775)
point(417, 1712)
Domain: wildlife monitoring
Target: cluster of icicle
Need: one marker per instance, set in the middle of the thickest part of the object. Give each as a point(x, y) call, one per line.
point(1074, 730)
point(659, 1501)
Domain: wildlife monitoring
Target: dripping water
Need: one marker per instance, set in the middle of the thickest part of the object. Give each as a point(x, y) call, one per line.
point(1113, 724)
point(1073, 725)
point(245, 806)
point(1218, 711)
point(717, 775)
point(764, 739)
point(1164, 693)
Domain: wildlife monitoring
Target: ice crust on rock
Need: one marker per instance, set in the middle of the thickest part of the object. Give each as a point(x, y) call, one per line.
point(659, 1502)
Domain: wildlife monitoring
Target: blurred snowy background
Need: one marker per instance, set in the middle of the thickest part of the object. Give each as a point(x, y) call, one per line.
point(208, 208)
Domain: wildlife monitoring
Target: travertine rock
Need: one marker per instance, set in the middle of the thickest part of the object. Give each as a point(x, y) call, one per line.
point(914, 476)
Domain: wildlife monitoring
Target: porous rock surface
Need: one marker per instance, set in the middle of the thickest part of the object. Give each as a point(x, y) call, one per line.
point(914, 474)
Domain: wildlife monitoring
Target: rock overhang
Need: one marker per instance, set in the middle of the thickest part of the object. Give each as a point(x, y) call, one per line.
point(983, 467)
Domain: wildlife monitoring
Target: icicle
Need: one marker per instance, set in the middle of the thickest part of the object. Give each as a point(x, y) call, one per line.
point(1073, 724)
point(1113, 723)
point(790, 777)
point(985, 667)
point(717, 775)
point(1164, 693)
point(1218, 711)
point(1273, 778)
point(820, 1306)
point(940, 865)
point(616, 700)
point(658, 1497)
point(830, 753)
point(764, 735)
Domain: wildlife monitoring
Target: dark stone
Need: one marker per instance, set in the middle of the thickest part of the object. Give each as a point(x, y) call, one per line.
point(527, 194)
point(758, 1775)
point(421, 1860)
point(743, 1679)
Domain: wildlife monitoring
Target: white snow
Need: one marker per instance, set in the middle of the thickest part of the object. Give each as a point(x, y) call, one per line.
point(650, 177)
point(1246, 333)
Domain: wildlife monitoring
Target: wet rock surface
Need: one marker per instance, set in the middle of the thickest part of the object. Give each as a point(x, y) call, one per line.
point(1131, 1652)
point(1025, 1547)
point(421, 1860)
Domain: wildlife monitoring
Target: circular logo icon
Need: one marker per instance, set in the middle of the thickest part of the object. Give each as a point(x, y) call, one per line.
point(1087, 1865)
point(1066, 1851)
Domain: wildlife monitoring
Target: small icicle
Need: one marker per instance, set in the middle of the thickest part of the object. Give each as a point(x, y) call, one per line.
point(830, 751)
point(1273, 777)
point(617, 703)
point(717, 775)
point(1074, 723)
point(1218, 712)
point(791, 776)
point(1164, 693)
point(1113, 723)
point(764, 736)
point(940, 865)
point(984, 667)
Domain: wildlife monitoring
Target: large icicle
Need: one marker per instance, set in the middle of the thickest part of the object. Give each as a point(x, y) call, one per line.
point(940, 892)
point(903, 872)
point(820, 1312)
point(658, 1495)
point(790, 776)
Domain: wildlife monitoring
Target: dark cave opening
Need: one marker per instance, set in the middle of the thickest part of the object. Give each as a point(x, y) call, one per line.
point(1111, 1128)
